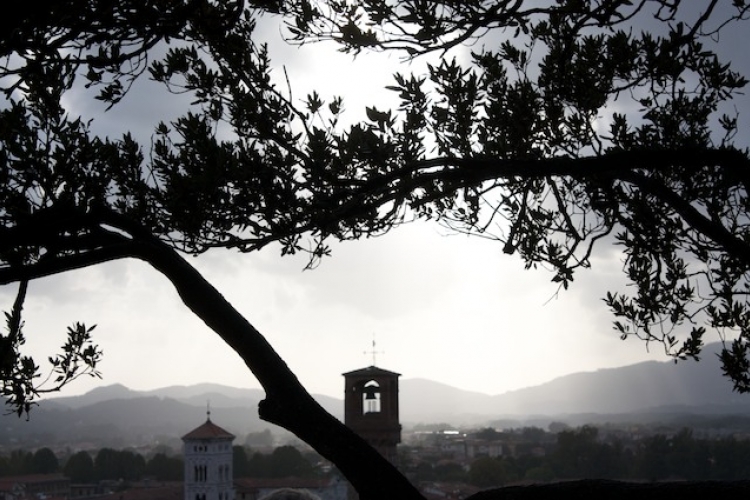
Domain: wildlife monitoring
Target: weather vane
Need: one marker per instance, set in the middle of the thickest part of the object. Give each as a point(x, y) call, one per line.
point(373, 351)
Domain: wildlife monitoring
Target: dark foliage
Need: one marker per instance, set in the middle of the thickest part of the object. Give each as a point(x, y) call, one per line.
point(80, 468)
point(44, 461)
point(284, 461)
point(118, 465)
point(165, 468)
point(526, 150)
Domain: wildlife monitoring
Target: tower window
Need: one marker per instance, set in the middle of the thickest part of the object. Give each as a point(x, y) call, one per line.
point(200, 473)
point(371, 397)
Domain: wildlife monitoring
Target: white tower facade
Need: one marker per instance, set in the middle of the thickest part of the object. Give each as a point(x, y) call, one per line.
point(207, 452)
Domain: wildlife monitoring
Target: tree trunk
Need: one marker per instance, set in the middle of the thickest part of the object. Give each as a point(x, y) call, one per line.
point(287, 403)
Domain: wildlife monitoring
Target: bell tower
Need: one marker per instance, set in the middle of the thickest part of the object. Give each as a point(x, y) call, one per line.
point(207, 452)
point(371, 408)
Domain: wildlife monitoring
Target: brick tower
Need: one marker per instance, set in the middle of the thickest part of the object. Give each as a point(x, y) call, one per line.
point(371, 408)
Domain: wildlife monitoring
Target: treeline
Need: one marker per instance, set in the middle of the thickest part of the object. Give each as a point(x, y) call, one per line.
point(284, 461)
point(583, 453)
point(127, 465)
point(82, 467)
point(20, 462)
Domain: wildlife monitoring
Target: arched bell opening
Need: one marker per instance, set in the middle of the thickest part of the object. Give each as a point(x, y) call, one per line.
point(371, 402)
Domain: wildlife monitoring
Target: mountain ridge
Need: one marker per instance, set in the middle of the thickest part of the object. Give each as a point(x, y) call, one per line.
point(652, 387)
point(643, 386)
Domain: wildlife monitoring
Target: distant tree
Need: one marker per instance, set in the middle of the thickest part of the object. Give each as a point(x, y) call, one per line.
point(20, 462)
point(580, 453)
point(652, 461)
point(164, 448)
point(487, 472)
point(424, 471)
point(539, 474)
point(118, 464)
point(240, 462)
point(519, 132)
point(731, 459)
point(283, 461)
point(258, 465)
point(534, 434)
point(577, 452)
point(557, 427)
point(451, 472)
point(689, 457)
point(80, 468)
point(488, 434)
point(679, 456)
point(165, 468)
point(287, 461)
point(44, 461)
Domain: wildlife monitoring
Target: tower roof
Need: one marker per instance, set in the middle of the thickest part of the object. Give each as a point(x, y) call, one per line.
point(208, 430)
point(371, 371)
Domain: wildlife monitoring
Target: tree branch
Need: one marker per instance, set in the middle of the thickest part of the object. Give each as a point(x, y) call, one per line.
point(734, 246)
point(286, 399)
point(60, 264)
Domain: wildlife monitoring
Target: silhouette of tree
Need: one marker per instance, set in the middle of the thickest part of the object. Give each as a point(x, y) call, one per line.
point(20, 462)
point(44, 461)
point(283, 461)
point(488, 433)
point(69, 199)
point(118, 465)
point(423, 471)
point(240, 462)
point(487, 472)
point(80, 468)
point(450, 472)
point(522, 135)
point(571, 127)
point(287, 461)
point(730, 459)
point(165, 468)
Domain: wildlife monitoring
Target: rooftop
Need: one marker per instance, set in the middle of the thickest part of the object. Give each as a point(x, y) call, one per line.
point(371, 371)
point(208, 430)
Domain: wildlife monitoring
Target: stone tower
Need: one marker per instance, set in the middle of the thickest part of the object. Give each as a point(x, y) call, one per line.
point(371, 408)
point(207, 452)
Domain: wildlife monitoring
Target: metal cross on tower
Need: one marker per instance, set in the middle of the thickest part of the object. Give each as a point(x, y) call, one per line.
point(373, 352)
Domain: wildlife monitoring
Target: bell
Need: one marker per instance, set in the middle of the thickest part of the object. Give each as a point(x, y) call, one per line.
point(370, 393)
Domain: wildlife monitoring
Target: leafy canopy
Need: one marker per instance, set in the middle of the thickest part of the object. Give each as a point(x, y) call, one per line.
point(568, 125)
point(565, 125)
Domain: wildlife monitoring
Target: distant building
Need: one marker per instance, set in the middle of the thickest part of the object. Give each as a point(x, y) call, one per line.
point(207, 453)
point(34, 486)
point(482, 448)
point(333, 488)
point(146, 491)
point(371, 408)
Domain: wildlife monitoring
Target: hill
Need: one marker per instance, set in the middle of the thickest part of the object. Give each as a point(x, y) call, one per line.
point(648, 387)
point(120, 416)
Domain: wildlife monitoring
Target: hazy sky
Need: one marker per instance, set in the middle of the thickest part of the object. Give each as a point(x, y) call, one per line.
point(440, 306)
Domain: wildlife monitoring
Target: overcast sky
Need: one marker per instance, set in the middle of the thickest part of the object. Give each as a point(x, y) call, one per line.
point(440, 306)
